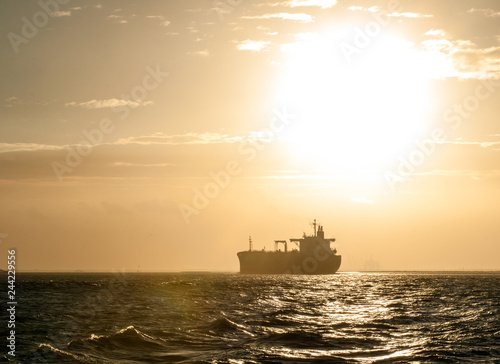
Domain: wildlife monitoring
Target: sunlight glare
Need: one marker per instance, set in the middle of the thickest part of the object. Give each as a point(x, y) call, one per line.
point(358, 115)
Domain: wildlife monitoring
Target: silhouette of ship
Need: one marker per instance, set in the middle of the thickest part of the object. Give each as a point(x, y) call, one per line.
point(315, 256)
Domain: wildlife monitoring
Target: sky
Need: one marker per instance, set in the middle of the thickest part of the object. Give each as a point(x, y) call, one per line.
point(159, 135)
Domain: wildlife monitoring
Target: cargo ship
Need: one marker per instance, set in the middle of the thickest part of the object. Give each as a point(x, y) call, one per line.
point(313, 256)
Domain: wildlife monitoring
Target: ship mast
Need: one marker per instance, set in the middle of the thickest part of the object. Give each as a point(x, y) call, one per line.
point(249, 243)
point(314, 224)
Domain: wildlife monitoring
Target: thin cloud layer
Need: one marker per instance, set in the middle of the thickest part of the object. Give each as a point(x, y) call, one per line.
point(26, 147)
point(324, 4)
point(300, 17)
point(252, 45)
point(410, 15)
point(189, 138)
point(490, 13)
point(108, 103)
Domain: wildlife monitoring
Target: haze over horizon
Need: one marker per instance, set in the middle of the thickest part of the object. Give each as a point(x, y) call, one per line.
point(159, 136)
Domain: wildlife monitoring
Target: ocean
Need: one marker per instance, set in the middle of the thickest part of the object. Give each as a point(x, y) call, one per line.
point(236, 318)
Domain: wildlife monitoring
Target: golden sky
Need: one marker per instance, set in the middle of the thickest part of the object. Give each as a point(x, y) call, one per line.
point(159, 135)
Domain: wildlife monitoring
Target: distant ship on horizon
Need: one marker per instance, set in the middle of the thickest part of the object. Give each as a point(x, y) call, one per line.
point(314, 256)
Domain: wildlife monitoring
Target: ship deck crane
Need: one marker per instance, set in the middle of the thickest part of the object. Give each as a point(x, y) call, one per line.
point(276, 242)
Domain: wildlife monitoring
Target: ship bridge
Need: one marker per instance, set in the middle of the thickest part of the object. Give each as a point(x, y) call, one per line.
point(307, 244)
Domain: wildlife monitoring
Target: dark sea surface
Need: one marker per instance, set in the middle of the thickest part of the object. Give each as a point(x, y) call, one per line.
point(235, 318)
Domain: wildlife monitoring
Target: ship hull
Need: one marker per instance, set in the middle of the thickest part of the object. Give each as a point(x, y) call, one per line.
point(263, 262)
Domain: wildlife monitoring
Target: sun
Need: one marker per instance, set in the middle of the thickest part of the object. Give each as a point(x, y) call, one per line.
point(354, 115)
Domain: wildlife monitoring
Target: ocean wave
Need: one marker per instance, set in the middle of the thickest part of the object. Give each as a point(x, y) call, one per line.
point(223, 325)
point(47, 353)
point(127, 338)
point(301, 339)
point(128, 345)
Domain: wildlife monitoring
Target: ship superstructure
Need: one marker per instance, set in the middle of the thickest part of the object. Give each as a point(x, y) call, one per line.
point(314, 256)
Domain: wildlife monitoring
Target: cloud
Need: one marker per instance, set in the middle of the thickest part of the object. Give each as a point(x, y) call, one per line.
point(463, 142)
point(466, 60)
point(300, 17)
point(440, 45)
point(436, 32)
point(324, 4)
point(252, 45)
point(474, 62)
point(362, 199)
point(62, 13)
point(375, 9)
point(490, 13)
point(203, 53)
point(410, 15)
point(117, 18)
point(128, 164)
point(154, 139)
point(195, 138)
point(26, 147)
point(15, 101)
point(179, 139)
point(101, 104)
point(474, 174)
point(11, 101)
point(372, 9)
point(305, 36)
point(164, 22)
